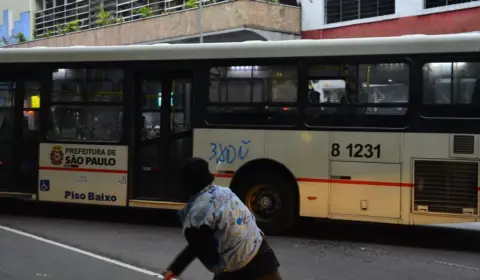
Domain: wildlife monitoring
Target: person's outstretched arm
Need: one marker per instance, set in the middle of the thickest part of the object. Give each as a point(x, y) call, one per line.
point(202, 245)
point(181, 262)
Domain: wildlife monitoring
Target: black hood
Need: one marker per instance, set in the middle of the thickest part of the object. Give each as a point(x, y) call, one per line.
point(195, 174)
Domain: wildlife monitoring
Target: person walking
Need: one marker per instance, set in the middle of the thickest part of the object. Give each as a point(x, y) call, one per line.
point(220, 231)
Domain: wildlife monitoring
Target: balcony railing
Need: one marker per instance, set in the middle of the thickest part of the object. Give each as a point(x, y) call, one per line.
point(76, 15)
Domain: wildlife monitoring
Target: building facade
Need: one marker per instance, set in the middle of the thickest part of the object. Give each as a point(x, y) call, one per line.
point(16, 21)
point(119, 22)
point(326, 19)
point(29, 23)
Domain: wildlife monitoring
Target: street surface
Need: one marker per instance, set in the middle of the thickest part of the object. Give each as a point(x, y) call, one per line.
point(316, 251)
point(26, 258)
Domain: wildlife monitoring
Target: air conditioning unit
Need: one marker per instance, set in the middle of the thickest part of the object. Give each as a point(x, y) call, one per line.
point(463, 146)
point(449, 187)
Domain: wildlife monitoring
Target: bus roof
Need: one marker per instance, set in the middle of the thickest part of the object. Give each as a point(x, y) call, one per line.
point(411, 44)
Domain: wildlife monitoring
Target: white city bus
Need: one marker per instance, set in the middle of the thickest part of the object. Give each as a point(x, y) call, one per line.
point(375, 129)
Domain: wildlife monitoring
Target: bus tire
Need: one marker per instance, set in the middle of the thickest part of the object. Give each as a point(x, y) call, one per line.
point(284, 199)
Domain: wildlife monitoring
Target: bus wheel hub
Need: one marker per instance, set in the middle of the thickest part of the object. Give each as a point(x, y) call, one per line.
point(266, 202)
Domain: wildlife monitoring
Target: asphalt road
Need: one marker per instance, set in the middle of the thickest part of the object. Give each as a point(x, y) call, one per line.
point(318, 251)
point(23, 258)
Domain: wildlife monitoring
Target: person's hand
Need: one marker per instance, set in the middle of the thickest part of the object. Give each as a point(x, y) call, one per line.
point(168, 275)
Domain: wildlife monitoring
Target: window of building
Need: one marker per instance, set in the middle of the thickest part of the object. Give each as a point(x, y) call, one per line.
point(48, 4)
point(449, 85)
point(253, 95)
point(358, 95)
point(345, 10)
point(86, 105)
point(440, 3)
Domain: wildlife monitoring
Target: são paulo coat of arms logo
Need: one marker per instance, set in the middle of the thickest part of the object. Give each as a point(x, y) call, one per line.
point(56, 156)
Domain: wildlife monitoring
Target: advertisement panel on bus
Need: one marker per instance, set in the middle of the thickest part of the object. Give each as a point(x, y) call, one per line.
point(87, 174)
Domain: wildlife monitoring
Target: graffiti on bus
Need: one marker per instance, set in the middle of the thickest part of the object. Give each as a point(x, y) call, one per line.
point(229, 153)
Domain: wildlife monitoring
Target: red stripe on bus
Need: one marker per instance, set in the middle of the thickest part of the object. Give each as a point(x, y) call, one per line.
point(357, 182)
point(337, 181)
point(76, 169)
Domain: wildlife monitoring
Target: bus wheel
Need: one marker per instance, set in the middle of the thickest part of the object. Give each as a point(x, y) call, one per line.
point(271, 199)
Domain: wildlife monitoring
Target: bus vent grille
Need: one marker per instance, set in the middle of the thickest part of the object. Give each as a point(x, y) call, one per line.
point(446, 187)
point(463, 144)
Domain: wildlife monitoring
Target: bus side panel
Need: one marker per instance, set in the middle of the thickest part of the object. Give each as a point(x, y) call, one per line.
point(86, 174)
point(431, 147)
point(305, 154)
point(365, 175)
point(228, 149)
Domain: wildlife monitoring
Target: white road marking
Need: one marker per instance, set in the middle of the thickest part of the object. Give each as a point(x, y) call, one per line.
point(83, 252)
point(457, 265)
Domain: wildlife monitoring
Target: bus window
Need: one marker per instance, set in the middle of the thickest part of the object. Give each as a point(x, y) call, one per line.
point(180, 102)
point(32, 95)
point(448, 85)
point(151, 94)
point(31, 119)
point(152, 99)
point(451, 83)
point(252, 95)
point(7, 91)
point(6, 94)
point(151, 125)
point(358, 95)
point(151, 103)
point(326, 91)
point(96, 85)
point(31, 106)
point(85, 123)
point(95, 122)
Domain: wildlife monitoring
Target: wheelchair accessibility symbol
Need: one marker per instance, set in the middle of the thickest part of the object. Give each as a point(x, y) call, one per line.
point(44, 185)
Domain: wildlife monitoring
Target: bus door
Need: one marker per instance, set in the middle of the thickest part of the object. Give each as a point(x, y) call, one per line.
point(166, 136)
point(19, 137)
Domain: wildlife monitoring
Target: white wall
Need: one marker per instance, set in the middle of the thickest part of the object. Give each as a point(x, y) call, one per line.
point(15, 7)
point(313, 15)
